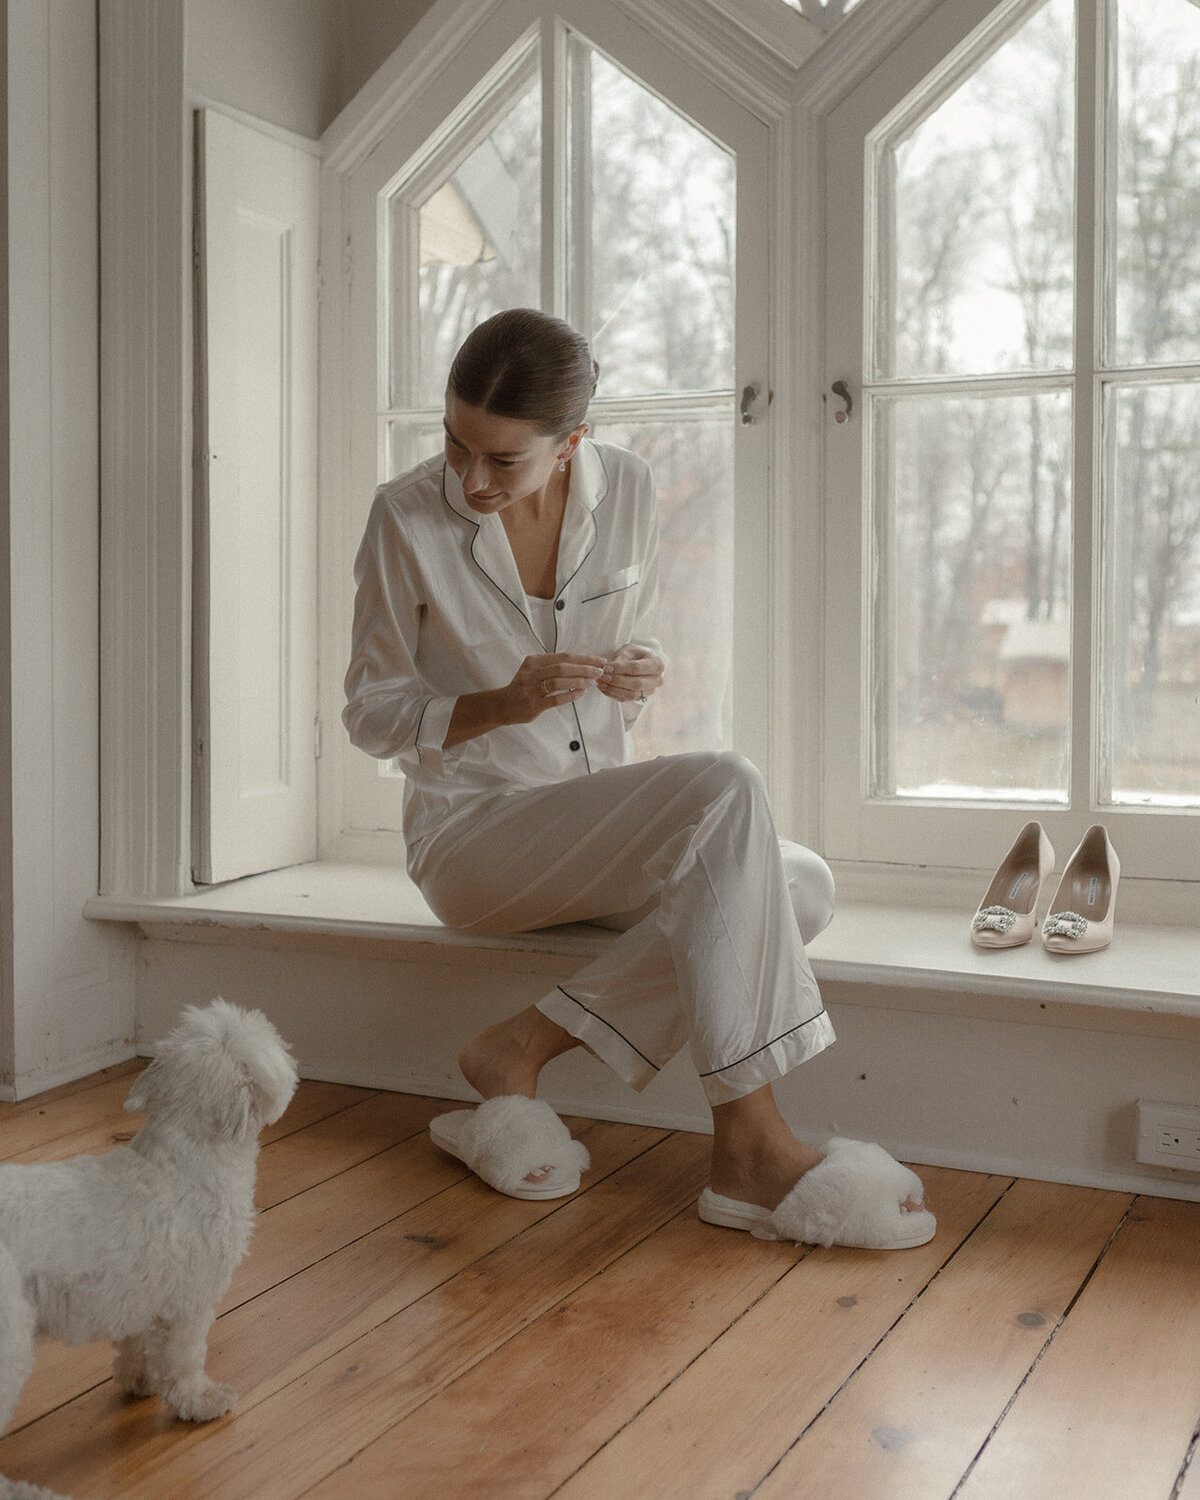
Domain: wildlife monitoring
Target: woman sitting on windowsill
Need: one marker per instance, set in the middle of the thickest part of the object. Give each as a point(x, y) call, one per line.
point(503, 647)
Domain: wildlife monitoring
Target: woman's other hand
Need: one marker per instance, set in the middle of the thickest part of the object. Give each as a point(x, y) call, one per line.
point(631, 674)
point(544, 682)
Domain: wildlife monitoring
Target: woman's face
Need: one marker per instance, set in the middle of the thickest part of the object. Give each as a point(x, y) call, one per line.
point(501, 460)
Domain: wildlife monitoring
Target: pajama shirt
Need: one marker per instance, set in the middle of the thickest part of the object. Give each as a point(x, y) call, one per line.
point(552, 821)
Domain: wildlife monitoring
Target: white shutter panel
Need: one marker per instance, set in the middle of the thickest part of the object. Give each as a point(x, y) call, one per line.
point(255, 699)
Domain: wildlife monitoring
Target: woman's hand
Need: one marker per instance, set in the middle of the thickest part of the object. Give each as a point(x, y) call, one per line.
point(631, 675)
point(544, 682)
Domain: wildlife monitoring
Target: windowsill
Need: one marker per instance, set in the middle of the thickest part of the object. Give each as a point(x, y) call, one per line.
point(1152, 970)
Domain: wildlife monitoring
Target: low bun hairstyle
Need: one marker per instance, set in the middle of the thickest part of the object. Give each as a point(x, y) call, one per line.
point(529, 366)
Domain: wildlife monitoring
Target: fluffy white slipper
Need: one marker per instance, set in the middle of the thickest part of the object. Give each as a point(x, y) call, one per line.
point(852, 1197)
point(507, 1138)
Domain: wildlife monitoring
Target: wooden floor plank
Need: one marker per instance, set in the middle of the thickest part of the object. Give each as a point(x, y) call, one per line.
point(90, 1122)
point(1111, 1409)
point(719, 1428)
point(83, 1122)
point(571, 1380)
point(912, 1419)
point(38, 1105)
point(303, 1158)
point(400, 1331)
point(311, 1102)
point(304, 1229)
point(300, 1341)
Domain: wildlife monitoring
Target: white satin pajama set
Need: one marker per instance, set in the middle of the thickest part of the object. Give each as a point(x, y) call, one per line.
point(551, 821)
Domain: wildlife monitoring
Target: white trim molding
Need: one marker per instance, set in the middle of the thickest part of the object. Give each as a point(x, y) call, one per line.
point(146, 455)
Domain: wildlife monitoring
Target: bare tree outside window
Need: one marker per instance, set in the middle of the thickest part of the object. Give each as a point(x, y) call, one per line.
point(1154, 541)
point(974, 482)
point(974, 373)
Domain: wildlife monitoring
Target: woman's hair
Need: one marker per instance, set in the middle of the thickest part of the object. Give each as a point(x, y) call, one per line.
point(525, 364)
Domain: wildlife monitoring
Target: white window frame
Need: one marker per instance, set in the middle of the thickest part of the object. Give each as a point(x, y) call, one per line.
point(881, 842)
point(407, 132)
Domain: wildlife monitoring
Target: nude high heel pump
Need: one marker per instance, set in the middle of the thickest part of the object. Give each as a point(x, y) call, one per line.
point(1080, 919)
point(1007, 913)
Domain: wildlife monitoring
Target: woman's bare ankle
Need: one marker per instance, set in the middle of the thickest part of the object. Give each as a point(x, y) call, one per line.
point(756, 1157)
point(508, 1057)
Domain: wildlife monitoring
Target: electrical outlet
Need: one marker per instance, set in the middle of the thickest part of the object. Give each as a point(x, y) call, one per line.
point(1169, 1135)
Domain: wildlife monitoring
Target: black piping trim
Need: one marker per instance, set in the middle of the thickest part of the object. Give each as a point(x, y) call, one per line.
point(608, 593)
point(757, 1050)
point(420, 723)
point(587, 760)
point(600, 499)
point(587, 1011)
point(479, 565)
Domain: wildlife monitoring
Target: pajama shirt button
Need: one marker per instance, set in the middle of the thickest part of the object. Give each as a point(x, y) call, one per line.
point(560, 604)
point(574, 745)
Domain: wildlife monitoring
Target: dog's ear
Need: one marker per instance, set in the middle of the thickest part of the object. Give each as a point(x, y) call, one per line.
point(234, 1114)
point(143, 1090)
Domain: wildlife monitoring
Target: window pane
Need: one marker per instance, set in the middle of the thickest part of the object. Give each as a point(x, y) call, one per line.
point(409, 442)
point(693, 471)
point(1153, 557)
point(972, 624)
point(476, 240)
point(1158, 181)
point(977, 211)
point(656, 219)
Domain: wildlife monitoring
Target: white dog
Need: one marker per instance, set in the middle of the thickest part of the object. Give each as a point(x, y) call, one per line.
point(139, 1245)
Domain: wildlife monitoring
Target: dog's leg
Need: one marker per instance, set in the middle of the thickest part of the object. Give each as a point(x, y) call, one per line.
point(129, 1367)
point(18, 1320)
point(174, 1370)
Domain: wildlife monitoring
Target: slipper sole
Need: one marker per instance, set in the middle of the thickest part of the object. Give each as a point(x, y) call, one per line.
point(729, 1213)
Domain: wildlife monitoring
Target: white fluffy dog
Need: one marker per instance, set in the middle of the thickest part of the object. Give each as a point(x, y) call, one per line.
point(139, 1245)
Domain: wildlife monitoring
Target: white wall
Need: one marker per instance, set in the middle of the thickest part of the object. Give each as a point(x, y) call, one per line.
point(292, 63)
point(274, 59)
point(368, 32)
point(67, 991)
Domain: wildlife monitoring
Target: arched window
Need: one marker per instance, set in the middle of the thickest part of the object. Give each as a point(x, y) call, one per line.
point(587, 170)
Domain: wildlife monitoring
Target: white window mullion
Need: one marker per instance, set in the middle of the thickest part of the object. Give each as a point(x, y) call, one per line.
point(1089, 700)
point(556, 147)
point(578, 185)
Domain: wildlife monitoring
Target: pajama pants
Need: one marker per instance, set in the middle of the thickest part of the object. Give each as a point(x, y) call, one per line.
point(680, 855)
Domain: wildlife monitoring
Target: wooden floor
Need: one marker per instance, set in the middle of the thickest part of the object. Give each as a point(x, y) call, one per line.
point(400, 1331)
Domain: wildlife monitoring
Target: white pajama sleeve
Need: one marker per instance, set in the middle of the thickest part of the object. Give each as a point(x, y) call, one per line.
point(389, 710)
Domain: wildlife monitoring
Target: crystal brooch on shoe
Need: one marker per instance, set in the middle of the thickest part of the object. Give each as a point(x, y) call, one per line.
point(1064, 924)
point(994, 919)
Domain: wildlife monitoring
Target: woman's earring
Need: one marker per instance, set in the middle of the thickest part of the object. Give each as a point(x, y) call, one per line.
point(562, 466)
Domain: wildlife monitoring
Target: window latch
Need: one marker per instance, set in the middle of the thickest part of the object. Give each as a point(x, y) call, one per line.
point(842, 391)
point(750, 395)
